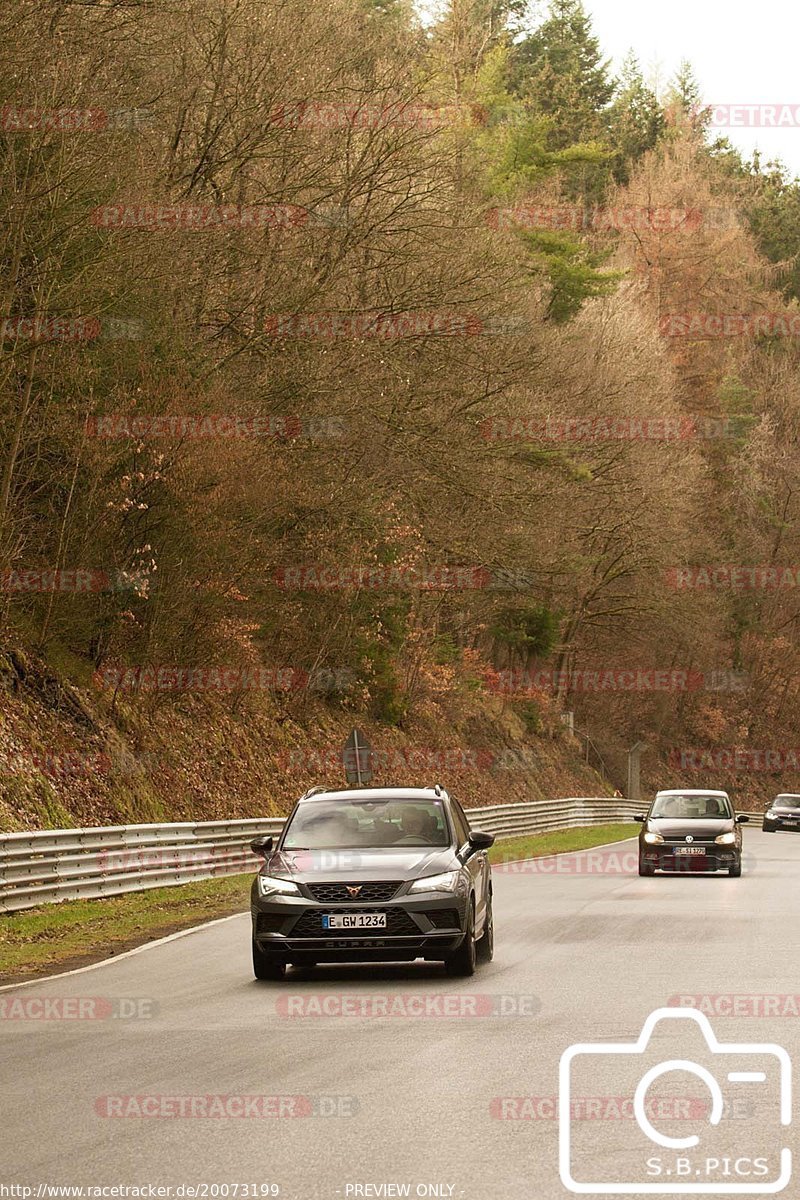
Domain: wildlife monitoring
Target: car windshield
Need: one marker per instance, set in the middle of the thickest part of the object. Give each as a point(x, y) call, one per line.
point(787, 802)
point(688, 808)
point(350, 824)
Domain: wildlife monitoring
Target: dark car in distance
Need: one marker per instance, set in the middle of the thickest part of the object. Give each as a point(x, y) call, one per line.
point(373, 875)
point(689, 831)
point(783, 813)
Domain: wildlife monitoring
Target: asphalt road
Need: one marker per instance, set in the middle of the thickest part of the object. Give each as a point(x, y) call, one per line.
point(422, 1100)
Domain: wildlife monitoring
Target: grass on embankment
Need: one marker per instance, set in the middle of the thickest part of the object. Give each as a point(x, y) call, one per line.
point(538, 845)
point(58, 937)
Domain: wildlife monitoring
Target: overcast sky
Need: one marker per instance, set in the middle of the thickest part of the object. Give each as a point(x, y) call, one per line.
point(742, 53)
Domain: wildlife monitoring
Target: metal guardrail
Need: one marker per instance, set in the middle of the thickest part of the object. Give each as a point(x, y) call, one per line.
point(542, 816)
point(69, 864)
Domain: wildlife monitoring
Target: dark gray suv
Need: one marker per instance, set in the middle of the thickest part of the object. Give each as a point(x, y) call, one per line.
point(373, 875)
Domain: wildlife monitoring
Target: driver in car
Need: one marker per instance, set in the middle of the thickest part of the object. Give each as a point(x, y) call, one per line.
point(413, 822)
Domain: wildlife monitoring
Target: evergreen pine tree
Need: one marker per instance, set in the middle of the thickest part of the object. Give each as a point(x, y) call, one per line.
point(684, 102)
point(561, 70)
point(636, 119)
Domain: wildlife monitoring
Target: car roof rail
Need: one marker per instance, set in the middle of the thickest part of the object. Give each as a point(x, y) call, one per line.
point(314, 791)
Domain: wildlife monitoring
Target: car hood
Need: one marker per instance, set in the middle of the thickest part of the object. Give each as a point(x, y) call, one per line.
point(402, 862)
point(785, 812)
point(701, 827)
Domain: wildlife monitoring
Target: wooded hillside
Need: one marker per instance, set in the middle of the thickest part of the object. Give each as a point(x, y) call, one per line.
point(362, 370)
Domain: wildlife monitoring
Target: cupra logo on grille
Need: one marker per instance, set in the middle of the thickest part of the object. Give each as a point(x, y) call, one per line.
point(354, 891)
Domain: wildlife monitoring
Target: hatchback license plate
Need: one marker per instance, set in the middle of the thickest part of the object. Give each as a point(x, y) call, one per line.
point(690, 850)
point(354, 921)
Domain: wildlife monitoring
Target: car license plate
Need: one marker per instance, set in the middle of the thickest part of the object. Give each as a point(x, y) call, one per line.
point(690, 850)
point(787, 821)
point(354, 921)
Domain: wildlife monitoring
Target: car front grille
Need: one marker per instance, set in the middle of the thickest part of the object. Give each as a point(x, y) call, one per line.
point(698, 841)
point(690, 862)
point(398, 924)
point(369, 893)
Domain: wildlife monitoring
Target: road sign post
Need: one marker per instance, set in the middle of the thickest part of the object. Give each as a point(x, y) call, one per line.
point(357, 759)
point(634, 761)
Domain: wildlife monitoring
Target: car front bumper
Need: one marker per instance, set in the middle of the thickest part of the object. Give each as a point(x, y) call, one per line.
point(716, 858)
point(289, 929)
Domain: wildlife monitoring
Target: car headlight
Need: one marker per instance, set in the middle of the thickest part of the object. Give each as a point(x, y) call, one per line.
point(726, 839)
point(770, 814)
point(654, 839)
point(448, 882)
point(269, 886)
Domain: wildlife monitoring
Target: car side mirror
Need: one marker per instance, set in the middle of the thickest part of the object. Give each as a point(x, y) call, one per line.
point(742, 819)
point(640, 817)
point(262, 845)
point(480, 840)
